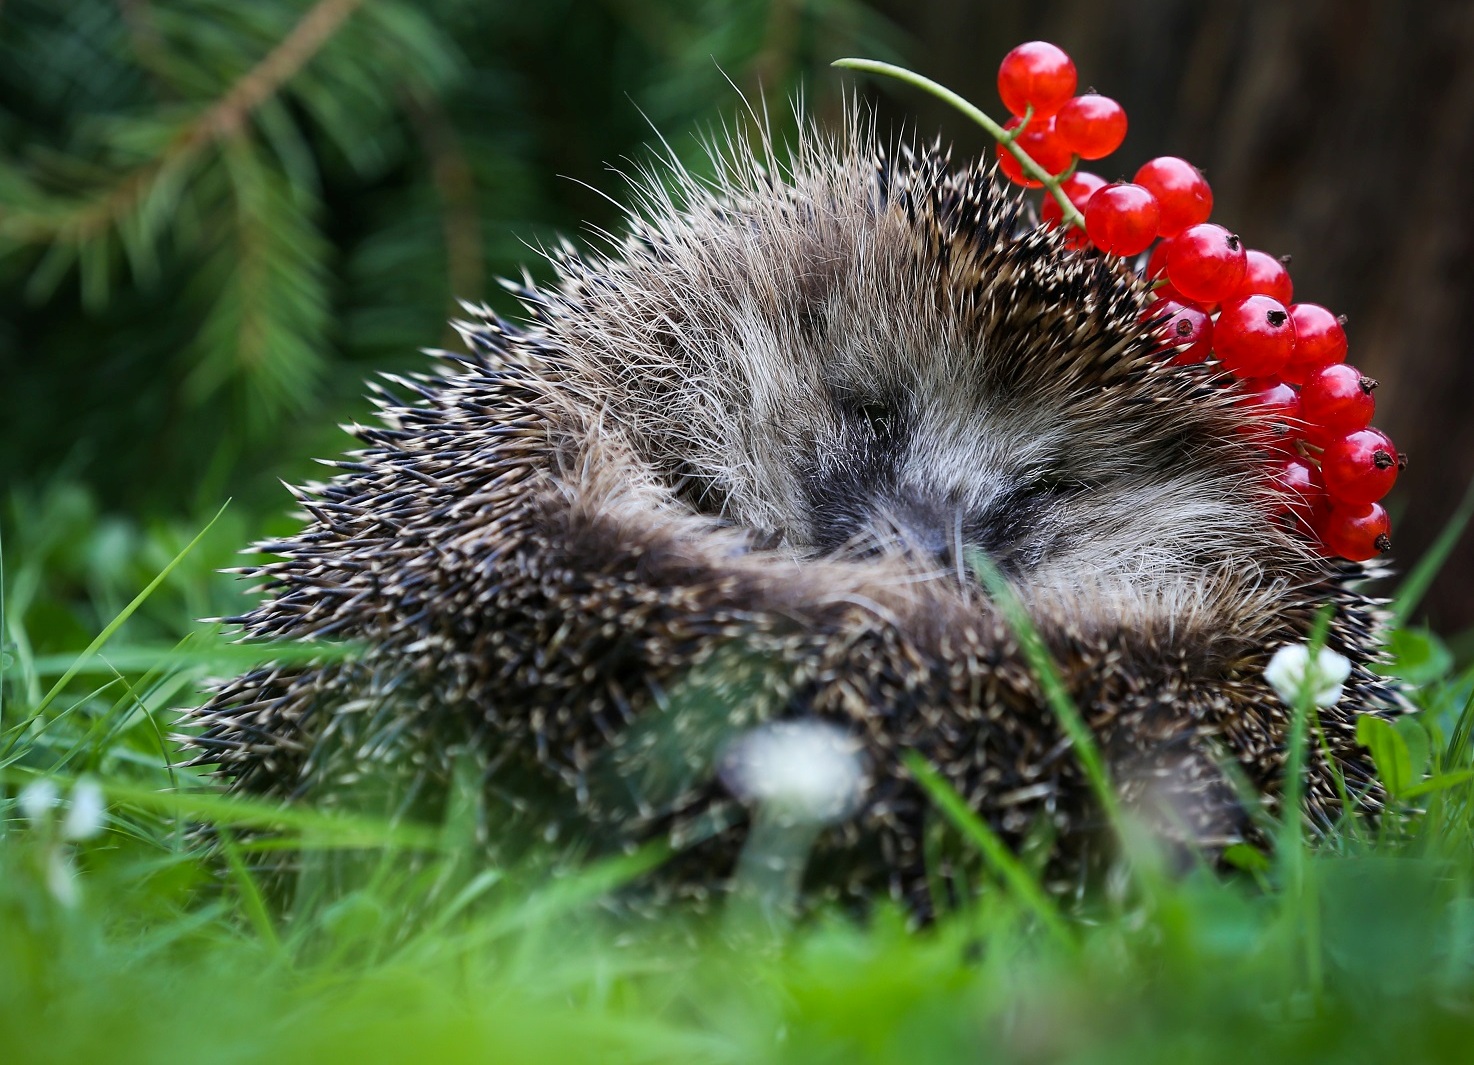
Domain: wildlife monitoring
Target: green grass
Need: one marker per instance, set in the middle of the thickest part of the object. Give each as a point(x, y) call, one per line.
point(1354, 947)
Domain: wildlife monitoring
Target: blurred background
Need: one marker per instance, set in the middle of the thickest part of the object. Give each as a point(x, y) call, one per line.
point(217, 218)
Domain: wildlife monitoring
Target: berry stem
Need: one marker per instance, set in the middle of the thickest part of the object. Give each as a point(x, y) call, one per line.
point(1011, 135)
point(1004, 137)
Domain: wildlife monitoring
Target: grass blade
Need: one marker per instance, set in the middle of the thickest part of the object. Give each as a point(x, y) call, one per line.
point(253, 901)
point(206, 656)
point(331, 829)
point(117, 622)
point(1053, 687)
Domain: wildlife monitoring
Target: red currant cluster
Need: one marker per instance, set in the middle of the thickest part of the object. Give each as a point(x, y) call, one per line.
point(1212, 298)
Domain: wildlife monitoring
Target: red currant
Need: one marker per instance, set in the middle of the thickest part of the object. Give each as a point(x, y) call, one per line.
point(1122, 219)
point(1339, 398)
point(1036, 73)
point(1254, 336)
point(1274, 413)
point(1156, 272)
point(1320, 341)
point(1091, 126)
point(1272, 398)
point(1357, 531)
point(1156, 264)
point(1205, 262)
point(1264, 275)
point(1042, 145)
point(1183, 327)
point(1181, 190)
point(1078, 188)
point(1302, 492)
point(1299, 479)
point(1359, 467)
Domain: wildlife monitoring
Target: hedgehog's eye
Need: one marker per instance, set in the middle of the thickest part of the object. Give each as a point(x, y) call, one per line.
point(1047, 483)
point(877, 416)
point(1050, 484)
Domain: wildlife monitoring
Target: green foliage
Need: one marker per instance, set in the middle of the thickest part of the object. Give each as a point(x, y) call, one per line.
point(216, 218)
point(1355, 945)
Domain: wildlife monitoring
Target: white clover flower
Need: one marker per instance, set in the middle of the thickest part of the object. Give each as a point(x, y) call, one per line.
point(803, 771)
point(37, 799)
point(86, 812)
point(1291, 670)
point(85, 815)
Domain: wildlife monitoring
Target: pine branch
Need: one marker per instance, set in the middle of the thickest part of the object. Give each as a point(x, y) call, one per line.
point(223, 119)
point(279, 67)
point(269, 319)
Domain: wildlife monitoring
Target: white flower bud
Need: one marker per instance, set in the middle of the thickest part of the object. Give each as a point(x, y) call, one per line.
point(1290, 671)
point(37, 799)
point(803, 771)
point(85, 814)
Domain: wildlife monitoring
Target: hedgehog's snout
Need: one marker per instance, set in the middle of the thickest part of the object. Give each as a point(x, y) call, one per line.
point(919, 526)
point(892, 522)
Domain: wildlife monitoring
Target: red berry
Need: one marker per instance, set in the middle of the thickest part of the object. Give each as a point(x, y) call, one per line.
point(1122, 219)
point(1205, 262)
point(1303, 494)
point(1359, 467)
point(1037, 73)
point(1272, 398)
point(1254, 337)
point(1338, 398)
point(1274, 413)
point(1183, 327)
point(1320, 341)
point(1299, 479)
point(1181, 190)
point(1156, 264)
point(1356, 531)
point(1091, 126)
point(1078, 188)
point(1264, 275)
point(1156, 272)
point(1042, 145)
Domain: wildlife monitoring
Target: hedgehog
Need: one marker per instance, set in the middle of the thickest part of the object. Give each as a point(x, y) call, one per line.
point(736, 467)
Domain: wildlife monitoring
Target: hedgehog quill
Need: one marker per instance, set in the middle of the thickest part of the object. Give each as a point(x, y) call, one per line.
point(731, 471)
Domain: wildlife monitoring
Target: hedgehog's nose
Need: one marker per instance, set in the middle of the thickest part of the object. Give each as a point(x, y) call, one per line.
point(894, 522)
point(925, 534)
point(923, 527)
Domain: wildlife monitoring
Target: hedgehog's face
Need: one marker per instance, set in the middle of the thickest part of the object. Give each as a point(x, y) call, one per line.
point(890, 445)
point(934, 468)
point(847, 372)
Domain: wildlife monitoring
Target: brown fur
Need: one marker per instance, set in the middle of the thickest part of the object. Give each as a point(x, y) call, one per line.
point(732, 470)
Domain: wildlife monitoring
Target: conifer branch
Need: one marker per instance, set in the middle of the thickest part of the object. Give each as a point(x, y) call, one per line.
point(281, 64)
point(221, 120)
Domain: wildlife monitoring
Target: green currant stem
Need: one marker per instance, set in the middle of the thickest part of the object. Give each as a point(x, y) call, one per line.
point(1018, 131)
point(1002, 136)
